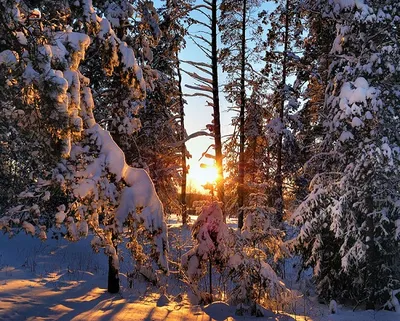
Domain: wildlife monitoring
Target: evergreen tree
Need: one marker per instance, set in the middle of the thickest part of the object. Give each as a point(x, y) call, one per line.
point(167, 62)
point(282, 62)
point(235, 24)
point(311, 73)
point(350, 220)
point(243, 256)
point(42, 55)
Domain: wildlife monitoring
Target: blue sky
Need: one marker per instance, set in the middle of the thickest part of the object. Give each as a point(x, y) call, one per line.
point(198, 114)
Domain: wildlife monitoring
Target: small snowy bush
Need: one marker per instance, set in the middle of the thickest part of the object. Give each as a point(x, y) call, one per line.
point(257, 246)
point(242, 256)
point(214, 242)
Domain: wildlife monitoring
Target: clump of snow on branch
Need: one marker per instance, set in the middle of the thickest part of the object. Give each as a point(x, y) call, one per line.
point(93, 170)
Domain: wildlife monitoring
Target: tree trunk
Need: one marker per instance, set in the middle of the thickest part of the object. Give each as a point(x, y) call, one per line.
point(210, 278)
point(183, 150)
point(240, 189)
point(217, 121)
point(113, 276)
point(279, 178)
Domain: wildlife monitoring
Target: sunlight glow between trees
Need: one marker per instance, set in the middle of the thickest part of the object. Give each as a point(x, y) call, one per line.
point(201, 175)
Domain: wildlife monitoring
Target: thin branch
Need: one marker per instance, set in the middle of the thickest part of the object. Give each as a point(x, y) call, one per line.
point(191, 136)
point(198, 95)
point(199, 66)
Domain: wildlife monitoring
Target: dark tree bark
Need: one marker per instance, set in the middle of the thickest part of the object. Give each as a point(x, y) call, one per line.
point(183, 151)
point(279, 178)
point(240, 190)
point(113, 276)
point(217, 121)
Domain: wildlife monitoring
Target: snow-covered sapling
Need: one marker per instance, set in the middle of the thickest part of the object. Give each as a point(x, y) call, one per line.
point(258, 244)
point(214, 243)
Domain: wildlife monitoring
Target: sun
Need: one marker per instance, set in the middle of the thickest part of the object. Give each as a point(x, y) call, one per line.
point(203, 175)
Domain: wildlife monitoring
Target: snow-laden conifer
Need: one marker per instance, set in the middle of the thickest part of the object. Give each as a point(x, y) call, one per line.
point(87, 184)
point(245, 257)
point(349, 220)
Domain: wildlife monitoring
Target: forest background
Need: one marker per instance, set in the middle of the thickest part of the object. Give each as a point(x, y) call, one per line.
point(92, 135)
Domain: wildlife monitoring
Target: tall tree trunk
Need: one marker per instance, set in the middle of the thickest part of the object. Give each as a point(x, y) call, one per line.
point(279, 178)
point(217, 121)
point(183, 150)
point(240, 189)
point(113, 276)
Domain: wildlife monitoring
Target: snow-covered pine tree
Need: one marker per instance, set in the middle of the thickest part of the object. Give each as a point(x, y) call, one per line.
point(214, 243)
point(23, 162)
point(176, 13)
point(138, 24)
point(41, 55)
point(244, 257)
point(311, 73)
point(350, 220)
point(160, 145)
point(256, 153)
point(238, 25)
point(282, 60)
point(257, 248)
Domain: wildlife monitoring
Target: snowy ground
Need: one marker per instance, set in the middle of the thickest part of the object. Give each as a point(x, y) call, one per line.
point(57, 280)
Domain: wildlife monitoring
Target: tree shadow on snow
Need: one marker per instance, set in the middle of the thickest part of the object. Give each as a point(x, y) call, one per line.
point(100, 307)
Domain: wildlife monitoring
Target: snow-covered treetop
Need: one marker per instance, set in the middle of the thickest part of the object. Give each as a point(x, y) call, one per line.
point(92, 171)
